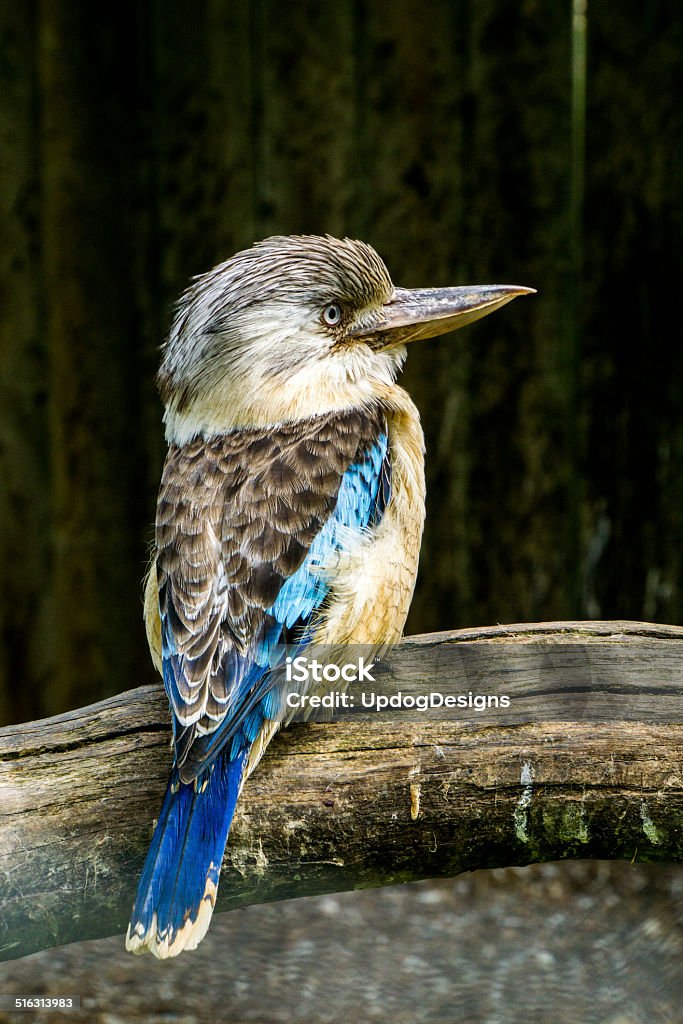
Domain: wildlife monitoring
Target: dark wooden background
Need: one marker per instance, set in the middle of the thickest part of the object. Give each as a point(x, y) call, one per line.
point(141, 143)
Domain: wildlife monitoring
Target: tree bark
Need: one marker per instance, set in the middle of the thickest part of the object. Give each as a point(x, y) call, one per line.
point(371, 799)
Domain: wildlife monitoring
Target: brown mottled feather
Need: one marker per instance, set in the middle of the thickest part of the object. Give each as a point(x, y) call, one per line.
point(236, 517)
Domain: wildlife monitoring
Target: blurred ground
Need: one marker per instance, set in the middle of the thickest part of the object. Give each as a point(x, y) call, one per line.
point(573, 943)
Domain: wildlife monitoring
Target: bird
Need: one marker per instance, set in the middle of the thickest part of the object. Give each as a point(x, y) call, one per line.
point(290, 511)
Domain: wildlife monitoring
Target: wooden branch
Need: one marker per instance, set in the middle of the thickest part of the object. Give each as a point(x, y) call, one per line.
point(371, 799)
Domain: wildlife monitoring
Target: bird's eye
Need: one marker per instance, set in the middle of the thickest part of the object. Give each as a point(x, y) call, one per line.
point(332, 314)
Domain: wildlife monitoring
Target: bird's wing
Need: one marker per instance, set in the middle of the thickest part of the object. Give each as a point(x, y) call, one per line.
point(244, 523)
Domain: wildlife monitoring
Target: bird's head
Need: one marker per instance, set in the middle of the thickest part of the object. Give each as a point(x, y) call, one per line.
point(296, 326)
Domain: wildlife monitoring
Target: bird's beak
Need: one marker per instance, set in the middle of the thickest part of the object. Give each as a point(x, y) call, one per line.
point(414, 313)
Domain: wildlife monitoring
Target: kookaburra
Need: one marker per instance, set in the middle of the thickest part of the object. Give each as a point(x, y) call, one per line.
point(290, 512)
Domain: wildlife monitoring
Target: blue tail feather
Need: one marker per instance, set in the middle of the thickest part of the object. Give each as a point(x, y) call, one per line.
point(177, 888)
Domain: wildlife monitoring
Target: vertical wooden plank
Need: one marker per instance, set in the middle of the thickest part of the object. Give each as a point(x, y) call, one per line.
point(634, 268)
point(145, 304)
point(411, 192)
point(24, 483)
point(467, 162)
point(304, 59)
point(201, 137)
point(523, 435)
point(87, 99)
